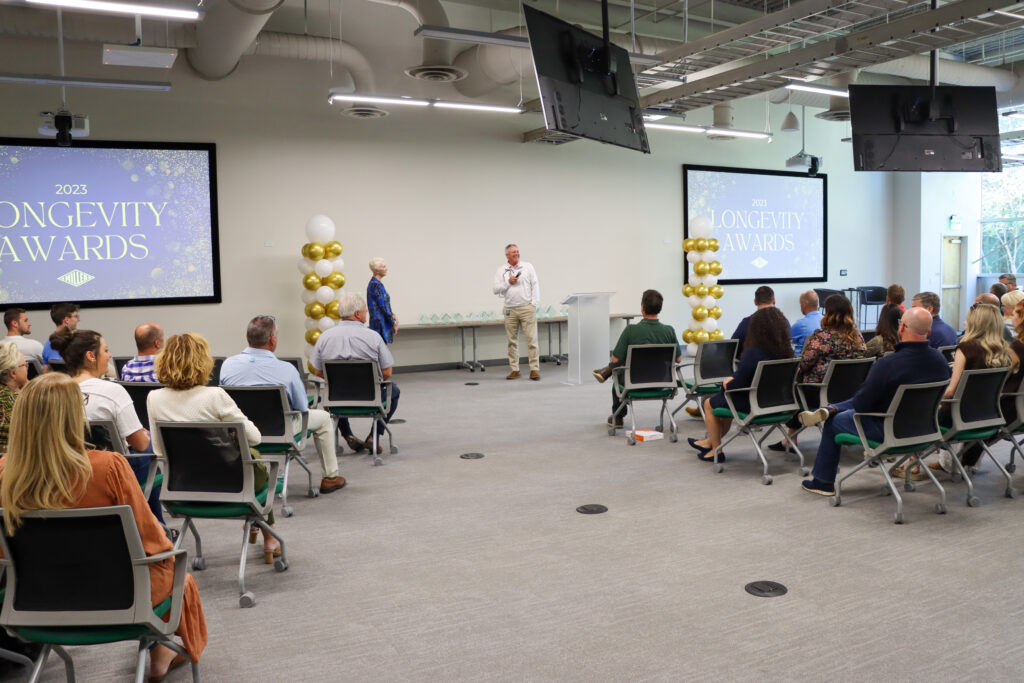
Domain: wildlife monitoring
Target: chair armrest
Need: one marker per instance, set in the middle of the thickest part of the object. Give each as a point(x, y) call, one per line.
point(274, 465)
point(732, 406)
point(621, 370)
point(154, 465)
point(304, 416)
point(159, 557)
point(387, 385)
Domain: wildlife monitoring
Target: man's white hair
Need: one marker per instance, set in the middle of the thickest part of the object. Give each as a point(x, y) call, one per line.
point(375, 263)
point(509, 246)
point(350, 304)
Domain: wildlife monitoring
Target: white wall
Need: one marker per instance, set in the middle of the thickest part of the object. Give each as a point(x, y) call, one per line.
point(438, 194)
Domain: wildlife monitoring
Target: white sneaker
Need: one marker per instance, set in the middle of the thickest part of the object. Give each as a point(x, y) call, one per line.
point(809, 418)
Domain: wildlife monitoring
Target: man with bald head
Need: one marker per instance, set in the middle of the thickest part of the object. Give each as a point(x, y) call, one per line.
point(809, 324)
point(913, 362)
point(149, 339)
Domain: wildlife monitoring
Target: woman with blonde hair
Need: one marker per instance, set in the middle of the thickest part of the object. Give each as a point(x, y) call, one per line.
point(1009, 303)
point(13, 376)
point(378, 302)
point(48, 467)
point(184, 365)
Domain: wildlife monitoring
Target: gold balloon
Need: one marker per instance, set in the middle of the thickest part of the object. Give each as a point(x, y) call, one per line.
point(716, 335)
point(701, 291)
point(688, 244)
point(715, 268)
point(331, 309)
point(312, 336)
point(701, 244)
point(311, 282)
point(701, 336)
point(716, 291)
point(310, 367)
point(700, 268)
point(335, 280)
point(305, 250)
point(687, 336)
point(712, 244)
point(315, 251)
point(315, 310)
point(688, 290)
point(715, 312)
point(332, 249)
point(700, 313)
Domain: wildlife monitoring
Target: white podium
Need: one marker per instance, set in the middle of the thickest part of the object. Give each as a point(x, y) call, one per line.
point(589, 338)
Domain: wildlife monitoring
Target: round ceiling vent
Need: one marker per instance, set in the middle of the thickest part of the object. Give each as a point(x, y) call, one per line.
point(834, 115)
point(364, 112)
point(720, 136)
point(441, 73)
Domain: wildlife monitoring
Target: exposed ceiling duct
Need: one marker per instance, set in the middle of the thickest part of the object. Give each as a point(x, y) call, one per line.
point(722, 119)
point(839, 107)
point(951, 72)
point(227, 31)
point(437, 65)
point(315, 48)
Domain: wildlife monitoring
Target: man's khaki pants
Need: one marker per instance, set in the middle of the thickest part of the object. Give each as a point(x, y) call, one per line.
point(322, 427)
point(526, 318)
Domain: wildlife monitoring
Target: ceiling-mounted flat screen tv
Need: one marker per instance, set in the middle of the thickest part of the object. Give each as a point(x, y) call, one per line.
point(108, 223)
point(585, 90)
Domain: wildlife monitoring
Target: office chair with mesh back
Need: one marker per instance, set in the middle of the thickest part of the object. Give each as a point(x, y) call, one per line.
point(842, 379)
point(139, 392)
point(115, 442)
point(648, 375)
point(714, 363)
point(354, 389)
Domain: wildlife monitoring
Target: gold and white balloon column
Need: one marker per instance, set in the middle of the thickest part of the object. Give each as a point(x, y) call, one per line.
point(322, 279)
point(702, 290)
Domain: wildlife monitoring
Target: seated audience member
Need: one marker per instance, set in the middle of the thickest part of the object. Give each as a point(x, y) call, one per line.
point(993, 300)
point(149, 339)
point(47, 467)
point(86, 355)
point(811, 321)
point(982, 346)
point(895, 295)
point(258, 366)
point(350, 339)
point(837, 339)
point(886, 331)
point(18, 328)
point(66, 318)
point(914, 362)
point(941, 333)
point(1008, 303)
point(764, 297)
point(1009, 280)
point(767, 338)
point(13, 377)
point(998, 289)
point(648, 331)
point(184, 366)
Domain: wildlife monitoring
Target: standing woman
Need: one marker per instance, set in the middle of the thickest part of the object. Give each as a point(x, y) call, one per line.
point(382, 318)
point(13, 376)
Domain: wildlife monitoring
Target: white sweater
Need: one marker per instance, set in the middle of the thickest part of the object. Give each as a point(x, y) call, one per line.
point(198, 404)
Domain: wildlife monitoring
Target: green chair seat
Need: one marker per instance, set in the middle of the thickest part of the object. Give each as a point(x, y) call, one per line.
point(278, 447)
point(89, 635)
point(704, 388)
point(310, 400)
point(157, 481)
point(972, 434)
point(767, 419)
point(358, 412)
point(217, 510)
point(854, 440)
point(649, 393)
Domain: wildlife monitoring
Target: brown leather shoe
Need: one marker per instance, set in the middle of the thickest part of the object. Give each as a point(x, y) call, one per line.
point(515, 374)
point(355, 444)
point(534, 375)
point(380, 444)
point(618, 421)
point(328, 484)
point(693, 412)
point(602, 374)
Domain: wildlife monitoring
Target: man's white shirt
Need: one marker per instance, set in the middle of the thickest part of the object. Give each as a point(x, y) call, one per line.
point(525, 291)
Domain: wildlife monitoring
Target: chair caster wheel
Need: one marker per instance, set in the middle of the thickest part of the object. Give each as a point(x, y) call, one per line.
point(287, 511)
point(313, 493)
point(631, 442)
point(834, 501)
point(909, 486)
point(1012, 492)
point(940, 509)
point(805, 471)
point(1011, 468)
point(719, 469)
point(472, 369)
point(394, 450)
point(378, 461)
point(766, 480)
point(199, 563)
point(674, 438)
point(659, 428)
point(247, 599)
point(280, 565)
point(973, 501)
point(898, 518)
point(886, 491)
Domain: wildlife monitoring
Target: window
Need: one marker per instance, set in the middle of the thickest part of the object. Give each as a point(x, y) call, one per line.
point(1002, 207)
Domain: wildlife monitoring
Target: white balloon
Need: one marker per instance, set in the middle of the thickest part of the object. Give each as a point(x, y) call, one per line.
point(694, 301)
point(338, 264)
point(709, 324)
point(700, 226)
point(339, 293)
point(691, 349)
point(325, 323)
point(310, 324)
point(692, 256)
point(305, 266)
point(308, 296)
point(694, 325)
point(708, 301)
point(320, 229)
point(324, 295)
point(697, 280)
point(323, 268)
point(309, 350)
point(710, 280)
point(707, 256)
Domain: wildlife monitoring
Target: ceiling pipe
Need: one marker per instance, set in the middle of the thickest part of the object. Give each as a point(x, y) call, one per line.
point(227, 31)
point(317, 49)
point(437, 64)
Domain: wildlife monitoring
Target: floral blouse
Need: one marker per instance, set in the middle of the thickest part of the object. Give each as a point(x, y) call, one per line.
point(7, 397)
point(824, 346)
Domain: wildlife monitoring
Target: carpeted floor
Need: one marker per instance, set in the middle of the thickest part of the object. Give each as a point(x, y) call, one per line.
point(436, 568)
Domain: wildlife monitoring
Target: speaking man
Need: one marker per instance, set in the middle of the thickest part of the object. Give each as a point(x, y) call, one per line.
point(516, 281)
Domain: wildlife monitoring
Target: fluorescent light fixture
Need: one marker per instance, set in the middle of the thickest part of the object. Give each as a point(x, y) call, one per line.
point(122, 8)
point(654, 117)
point(341, 97)
point(819, 89)
point(1008, 14)
point(477, 107)
point(739, 133)
point(679, 129)
point(1013, 157)
point(1014, 114)
point(70, 81)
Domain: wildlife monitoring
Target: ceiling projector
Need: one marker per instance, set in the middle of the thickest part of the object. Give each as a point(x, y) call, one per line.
point(805, 162)
point(63, 125)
